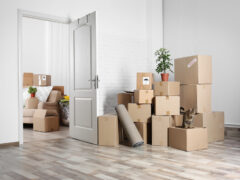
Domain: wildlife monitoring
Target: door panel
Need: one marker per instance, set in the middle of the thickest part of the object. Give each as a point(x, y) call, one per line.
point(83, 108)
point(83, 82)
point(82, 42)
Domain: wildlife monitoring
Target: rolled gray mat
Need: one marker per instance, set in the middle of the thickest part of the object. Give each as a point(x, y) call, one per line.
point(128, 126)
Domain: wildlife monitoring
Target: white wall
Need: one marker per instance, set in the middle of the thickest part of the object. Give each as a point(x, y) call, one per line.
point(34, 49)
point(122, 49)
point(212, 28)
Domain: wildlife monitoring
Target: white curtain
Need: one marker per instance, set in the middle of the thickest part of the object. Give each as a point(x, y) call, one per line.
point(58, 54)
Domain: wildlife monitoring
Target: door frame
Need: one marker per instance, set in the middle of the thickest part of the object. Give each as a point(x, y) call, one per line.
point(35, 15)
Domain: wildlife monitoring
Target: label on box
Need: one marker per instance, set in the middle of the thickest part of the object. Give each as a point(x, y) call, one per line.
point(192, 62)
point(44, 78)
point(146, 81)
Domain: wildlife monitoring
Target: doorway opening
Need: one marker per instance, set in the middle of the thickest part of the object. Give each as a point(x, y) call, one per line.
point(44, 66)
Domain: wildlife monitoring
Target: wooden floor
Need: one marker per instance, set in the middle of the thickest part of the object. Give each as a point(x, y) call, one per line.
point(71, 159)
point(32, 136)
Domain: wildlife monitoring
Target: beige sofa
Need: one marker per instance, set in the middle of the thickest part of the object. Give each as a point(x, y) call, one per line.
point(51, 106)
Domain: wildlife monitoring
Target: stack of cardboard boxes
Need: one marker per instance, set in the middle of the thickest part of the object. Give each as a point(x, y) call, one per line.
point(140, 111)
point(167, 110)
point(156, 113)
point(195, 76)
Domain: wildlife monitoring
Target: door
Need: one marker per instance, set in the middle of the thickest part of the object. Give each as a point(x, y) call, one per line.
point(83, 79)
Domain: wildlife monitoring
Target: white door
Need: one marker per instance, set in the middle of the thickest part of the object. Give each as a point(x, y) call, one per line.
point(83, 79)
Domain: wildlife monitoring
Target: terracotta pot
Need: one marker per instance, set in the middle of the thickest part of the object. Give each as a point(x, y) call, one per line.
point(164, 76)
point(32, 94)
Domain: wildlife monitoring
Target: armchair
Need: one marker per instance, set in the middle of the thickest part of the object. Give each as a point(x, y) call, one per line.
point(51, 106)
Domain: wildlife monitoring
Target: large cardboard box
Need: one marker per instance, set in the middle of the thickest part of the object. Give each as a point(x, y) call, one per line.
point(144, 81)
point(167, 88)
point(41, 80)
point(44, 123)
point(177, 120)
point(108, 134)
point(188, 139)
point(125, 98)
point(145, 131)
point(196, 96)
point(214, 122)
point(139, 112)
point(143, 96)
point(27, 79)
point(194, 69)
point(160, 125)
point(167, 105)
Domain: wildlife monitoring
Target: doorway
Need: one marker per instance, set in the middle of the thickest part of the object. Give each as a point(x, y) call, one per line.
point(44, 48)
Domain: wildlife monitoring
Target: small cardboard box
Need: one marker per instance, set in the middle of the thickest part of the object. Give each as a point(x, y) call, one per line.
point(194, 69)
point(41, 80)
point(145, 131)
point(125, 98)
point(27, 79)
point(188, 139)
point(44, 123)
point(139, 113)
point(144, 81)
point(108, 134)
point(143, 96)
point(177, 120)
point(160, 125)
point(167, 88)
point(167, 105)
point(214, 122)
point(196, 96)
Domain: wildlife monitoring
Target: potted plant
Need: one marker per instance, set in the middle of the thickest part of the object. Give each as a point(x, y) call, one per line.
point(32, 91)
point(163, 63)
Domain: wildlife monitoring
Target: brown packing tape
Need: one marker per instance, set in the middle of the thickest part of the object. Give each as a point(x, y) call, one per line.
point(139, 106)
point(160, 83)
point(167, 97)
point(167, 112)
point(138, 120)
point(146, 101)
point(161, 93)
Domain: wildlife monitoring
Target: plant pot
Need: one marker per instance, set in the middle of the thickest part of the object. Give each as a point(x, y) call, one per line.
point(32, 94)
point(164, 76)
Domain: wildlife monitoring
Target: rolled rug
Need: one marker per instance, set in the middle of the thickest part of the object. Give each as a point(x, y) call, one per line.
point(128, 126)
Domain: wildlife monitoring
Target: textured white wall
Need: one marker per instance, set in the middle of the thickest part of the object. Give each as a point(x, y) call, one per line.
point(212, 28)
point(122, 48)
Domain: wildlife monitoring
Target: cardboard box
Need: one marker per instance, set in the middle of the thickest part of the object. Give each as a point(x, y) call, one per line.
point(196, 96)
point(139, 113)
point(214, 122)
point(167, 88)
point(143, 96)
point(145, 131)
point(188, 139)
point(167, 105)
point(41, 80)
point(59, 88)
point(160, 125)
point(144, 81)
point(193, 70)
point(177, 120)
point(44, 123)
point(125, 98)
point(108, 134)
point(27, 79)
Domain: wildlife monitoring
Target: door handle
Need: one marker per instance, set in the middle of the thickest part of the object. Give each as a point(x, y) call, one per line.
point(96, 80)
